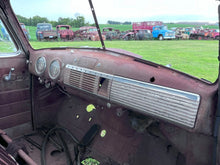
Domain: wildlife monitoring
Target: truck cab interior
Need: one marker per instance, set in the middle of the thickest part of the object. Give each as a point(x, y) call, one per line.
point(70, 105)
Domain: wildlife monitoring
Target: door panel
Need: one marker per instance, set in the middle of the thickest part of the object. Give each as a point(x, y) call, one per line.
point(15, 93)
point(14, 82)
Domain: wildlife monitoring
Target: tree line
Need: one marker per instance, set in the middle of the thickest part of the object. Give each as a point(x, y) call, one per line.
point(79, 21)
point(118, 23)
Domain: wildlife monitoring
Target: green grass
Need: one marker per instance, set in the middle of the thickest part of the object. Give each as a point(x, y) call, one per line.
point(198, 58)
point(185, 25)
point(7, 47)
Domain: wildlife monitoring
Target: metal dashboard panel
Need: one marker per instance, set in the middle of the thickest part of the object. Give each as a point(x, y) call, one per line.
point(173, 105)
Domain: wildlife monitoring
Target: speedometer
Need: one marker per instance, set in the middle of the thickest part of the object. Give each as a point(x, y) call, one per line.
point(40, 65)
point(54, 70)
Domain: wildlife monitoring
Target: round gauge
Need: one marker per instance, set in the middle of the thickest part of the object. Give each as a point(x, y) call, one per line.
point(40, 65)
point(54, 70)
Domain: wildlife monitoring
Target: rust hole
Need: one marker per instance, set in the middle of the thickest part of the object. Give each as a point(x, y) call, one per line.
point(152, 79)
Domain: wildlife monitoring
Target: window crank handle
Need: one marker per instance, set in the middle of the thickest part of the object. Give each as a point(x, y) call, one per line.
point(8, 77)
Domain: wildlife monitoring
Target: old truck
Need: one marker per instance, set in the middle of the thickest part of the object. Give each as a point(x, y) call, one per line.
point(65, 32)
point(147, 25)
point(189, 30)
point(161, 33)
point(45, 32)
point(71, 105)
point(214, 34)
point(199, 34)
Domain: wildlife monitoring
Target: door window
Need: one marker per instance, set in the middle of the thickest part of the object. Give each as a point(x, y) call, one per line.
point(6, 43)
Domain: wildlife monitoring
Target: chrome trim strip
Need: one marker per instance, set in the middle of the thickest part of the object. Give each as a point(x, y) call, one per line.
point(89, 71)
point(191, 96)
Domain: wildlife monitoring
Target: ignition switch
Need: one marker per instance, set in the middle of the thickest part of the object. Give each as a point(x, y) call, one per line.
point(47, 84)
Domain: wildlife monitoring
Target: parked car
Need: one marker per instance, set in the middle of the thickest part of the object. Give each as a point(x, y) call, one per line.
point(161, 33)
point(65, 32)
point(111, 33)
point(129, 35)
point(214, 34)
point(137, 35)
point(4, 34)
point(45, 32)
point(190, 30)
point(199, 34)
point(88, 33)
point(25, 31)
point(180, 34)
point(143, 35)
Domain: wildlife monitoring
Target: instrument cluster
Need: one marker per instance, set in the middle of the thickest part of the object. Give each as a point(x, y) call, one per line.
point(45, 68)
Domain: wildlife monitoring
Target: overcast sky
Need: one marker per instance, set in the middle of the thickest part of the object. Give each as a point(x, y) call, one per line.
point(121, 10)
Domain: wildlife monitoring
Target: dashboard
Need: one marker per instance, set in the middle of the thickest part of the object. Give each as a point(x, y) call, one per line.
point(120, 79)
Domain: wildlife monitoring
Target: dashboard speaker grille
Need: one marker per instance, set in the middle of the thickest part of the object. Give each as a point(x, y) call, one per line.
point(81, 80)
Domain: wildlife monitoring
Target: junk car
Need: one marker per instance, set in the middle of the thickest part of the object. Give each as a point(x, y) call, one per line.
point(88, 33)
point(143, 35)
point(111, 33)
point(69, 105)
point(25, 30)
point(214, 33)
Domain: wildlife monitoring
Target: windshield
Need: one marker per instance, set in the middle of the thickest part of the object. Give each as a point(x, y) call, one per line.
point(164, 27)
point(188, 52)
point(93, 30)
point(44, 27)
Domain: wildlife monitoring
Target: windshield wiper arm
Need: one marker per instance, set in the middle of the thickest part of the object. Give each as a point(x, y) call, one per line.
point(96, 23)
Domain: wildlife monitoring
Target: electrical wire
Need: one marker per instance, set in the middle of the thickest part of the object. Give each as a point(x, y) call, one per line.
point(60, 129)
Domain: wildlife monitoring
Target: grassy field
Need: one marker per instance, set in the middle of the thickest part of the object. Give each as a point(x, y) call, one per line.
point(7, 47)
point(198, 58)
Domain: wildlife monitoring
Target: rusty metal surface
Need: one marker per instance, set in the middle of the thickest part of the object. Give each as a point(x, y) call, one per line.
point(5, 159)
point(128, 67)
point(197, 148)
point(122, 143)
point(20, 152)
point(173, 105)
point(15, 93)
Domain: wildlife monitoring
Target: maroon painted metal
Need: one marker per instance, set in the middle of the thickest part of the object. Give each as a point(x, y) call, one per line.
point(147, 25)
point(65, 32)
point(132, 137)
point(88, 33)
